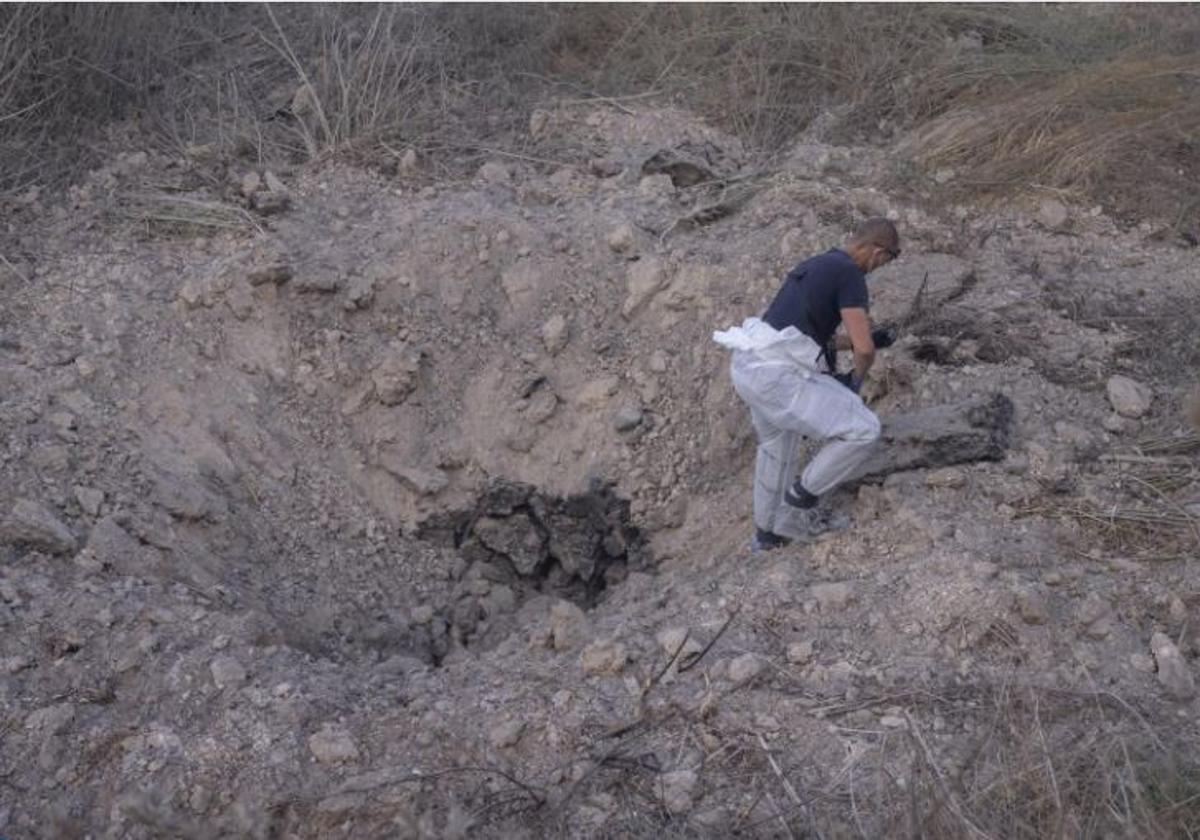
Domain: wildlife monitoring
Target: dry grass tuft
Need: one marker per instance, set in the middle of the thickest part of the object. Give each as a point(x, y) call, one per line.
point(1088, 129)
point(175, 214)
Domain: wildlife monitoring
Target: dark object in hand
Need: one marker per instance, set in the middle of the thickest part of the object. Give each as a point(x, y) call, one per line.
point(883, 337)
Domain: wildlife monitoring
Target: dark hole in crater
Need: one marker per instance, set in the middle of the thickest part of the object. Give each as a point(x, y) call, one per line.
point(517, 543)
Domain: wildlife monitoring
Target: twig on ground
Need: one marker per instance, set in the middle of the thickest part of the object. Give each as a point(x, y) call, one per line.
point(20, 275)
point(692, 663)
point(940, 780)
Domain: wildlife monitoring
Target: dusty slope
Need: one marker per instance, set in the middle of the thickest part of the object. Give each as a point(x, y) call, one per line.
point(259, 577)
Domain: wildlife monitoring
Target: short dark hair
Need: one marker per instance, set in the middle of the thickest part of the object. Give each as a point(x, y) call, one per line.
point(876, 231)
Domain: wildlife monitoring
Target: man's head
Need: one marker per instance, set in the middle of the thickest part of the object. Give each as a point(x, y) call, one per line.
point(875, 242)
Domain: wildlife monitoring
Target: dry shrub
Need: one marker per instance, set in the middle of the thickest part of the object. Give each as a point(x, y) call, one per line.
point(66, 70)
point(1075, 97)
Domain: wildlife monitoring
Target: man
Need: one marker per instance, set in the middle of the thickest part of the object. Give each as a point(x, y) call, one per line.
point(777, 370)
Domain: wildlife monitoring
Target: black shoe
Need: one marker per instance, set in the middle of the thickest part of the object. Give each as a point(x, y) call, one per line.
point(765, 541)
point(798, 497)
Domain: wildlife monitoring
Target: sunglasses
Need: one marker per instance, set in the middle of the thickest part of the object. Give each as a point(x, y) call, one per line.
point(895, 253)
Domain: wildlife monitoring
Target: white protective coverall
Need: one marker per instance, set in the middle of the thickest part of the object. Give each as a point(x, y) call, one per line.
point(776, 374)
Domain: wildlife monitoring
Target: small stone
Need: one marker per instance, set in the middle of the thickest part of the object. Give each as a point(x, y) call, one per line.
point(506, 734)
point(1052, 213)
point(332, 744)
point(409, 162)
point(568, 625)
point(622, 239)
point(271, 203)
point(677, 789)
point(227, 672)
point(494, 172)
point(425, 481)
point(1177, 611)
point(951, 477)
point(277, 273)
point(10, 665)
point(1128, 397)
point(800, 653)
point(1142, 662)
point(1173, 671)
point(191, 294)
point(396, 376)
point(943, 176)
point(832, 596)
point(1114, 423)
point(1092, 609)
point(555, 334)
point(422, 614)
point(251, 183)
point(656, 186)
point(597, 392)
point(89, 499)
point(31, 524)
point(360, 293)
point(538, 121)
point(199, 152)
point(1032, 607)
point(892, 722)
point(273, 183)
point(627, 419)
point(605, 167)
point(744, 668)
point(603, 657)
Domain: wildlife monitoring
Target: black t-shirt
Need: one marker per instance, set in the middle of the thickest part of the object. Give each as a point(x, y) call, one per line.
point(814, 294)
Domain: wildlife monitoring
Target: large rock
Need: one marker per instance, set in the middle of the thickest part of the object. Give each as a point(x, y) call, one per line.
point(516, 538)
point(33, 525)
point(1173, 671)
point(1128, 397)
point(896, 288)
point(110, 545)
point(976, 430)
point(647, 277)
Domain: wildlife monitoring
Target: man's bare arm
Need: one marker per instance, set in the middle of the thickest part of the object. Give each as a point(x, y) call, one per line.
point(858, 335)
